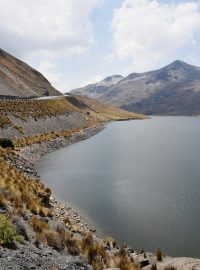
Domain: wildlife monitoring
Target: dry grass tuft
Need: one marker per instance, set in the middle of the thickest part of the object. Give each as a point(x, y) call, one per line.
point(20, 129)
point(72, 245)
point(3, 200)
point(159, 255)
point(53, 239)
point(39, 225)
point(154, 266)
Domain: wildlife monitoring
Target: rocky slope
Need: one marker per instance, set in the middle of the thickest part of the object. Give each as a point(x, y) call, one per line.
point(19, 79)
point(172, 90)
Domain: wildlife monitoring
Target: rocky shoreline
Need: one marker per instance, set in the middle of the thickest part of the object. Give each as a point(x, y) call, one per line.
point(30, 154)
point(34, 152)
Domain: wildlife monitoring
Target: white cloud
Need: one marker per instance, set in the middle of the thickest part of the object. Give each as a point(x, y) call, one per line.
point(46, 27)
point(47, 31)
point(47, 68)
point(149, 33)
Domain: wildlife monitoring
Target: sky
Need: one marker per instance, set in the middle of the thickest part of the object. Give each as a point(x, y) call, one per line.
point(78, 42)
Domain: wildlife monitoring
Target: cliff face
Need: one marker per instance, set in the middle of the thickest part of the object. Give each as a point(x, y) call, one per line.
point(19, 79)
point(172, 90)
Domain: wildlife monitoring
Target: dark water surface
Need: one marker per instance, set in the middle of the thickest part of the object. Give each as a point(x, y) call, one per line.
point(138, 180)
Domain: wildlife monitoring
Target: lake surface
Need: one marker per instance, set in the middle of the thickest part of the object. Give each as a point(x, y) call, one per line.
point(138, 181)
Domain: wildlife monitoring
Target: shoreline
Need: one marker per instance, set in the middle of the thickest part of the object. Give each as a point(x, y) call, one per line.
point(34, 152)
point(62, 210)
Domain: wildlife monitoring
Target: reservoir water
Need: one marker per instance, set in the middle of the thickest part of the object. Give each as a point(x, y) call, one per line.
point(138, 181)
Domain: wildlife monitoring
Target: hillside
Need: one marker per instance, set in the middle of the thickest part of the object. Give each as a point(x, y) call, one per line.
point(19, 79)
point(172, 90)
point(20, 118)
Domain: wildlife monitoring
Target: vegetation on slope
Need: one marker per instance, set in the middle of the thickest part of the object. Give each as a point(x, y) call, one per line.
point(19, 190)
point(37, 109)
point(24, 141)
point(41, 109)
point(105, 112)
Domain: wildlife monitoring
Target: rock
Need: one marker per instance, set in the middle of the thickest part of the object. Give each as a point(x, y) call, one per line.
point(45, 198)
point(75, 229)
point(21, 228)
point(144, 263)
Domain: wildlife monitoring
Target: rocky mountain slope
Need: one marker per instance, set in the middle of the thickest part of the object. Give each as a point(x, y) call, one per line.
point(19, 79)
point(172, 90)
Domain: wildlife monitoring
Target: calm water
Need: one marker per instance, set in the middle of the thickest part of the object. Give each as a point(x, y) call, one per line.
point(138, 181)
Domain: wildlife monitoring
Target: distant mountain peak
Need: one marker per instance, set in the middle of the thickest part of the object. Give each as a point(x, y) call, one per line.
point(178, 64)
point(110, 80)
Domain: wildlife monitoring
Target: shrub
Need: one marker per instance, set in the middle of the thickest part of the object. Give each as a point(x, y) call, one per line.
point(8, 232)
point(159, 255)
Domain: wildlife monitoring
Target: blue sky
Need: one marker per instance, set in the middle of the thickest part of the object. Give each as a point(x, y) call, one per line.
point(77, 42)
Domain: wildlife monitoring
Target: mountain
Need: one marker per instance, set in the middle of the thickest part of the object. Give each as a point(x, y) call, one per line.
point(19, 79)
point(172, 90)
point(96, 90)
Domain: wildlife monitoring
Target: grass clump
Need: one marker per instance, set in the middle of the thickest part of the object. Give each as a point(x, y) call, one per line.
point(4, 120)
point(20, 129)
point(154, 266)
point(3, 200)
point(54, 240)
point(159, 255)
point(124, 262)
point(93, 252)
point(39, 225)
point(8, 232)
